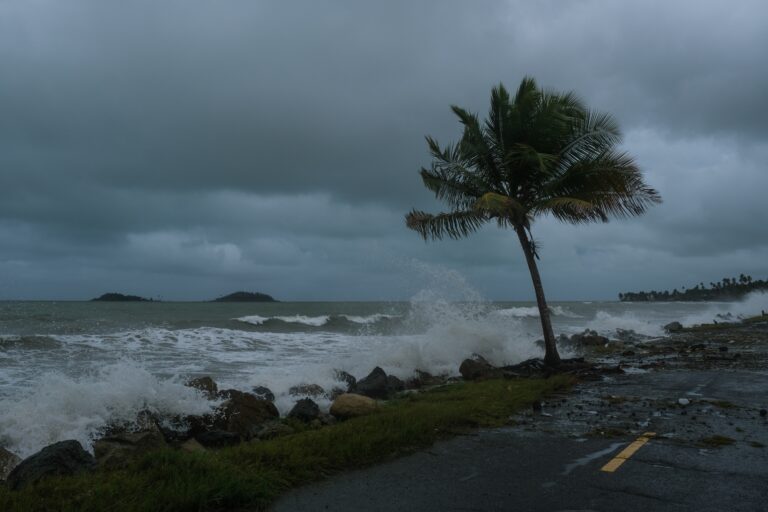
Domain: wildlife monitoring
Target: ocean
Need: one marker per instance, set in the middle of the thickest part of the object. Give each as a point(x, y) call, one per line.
point(68, 369)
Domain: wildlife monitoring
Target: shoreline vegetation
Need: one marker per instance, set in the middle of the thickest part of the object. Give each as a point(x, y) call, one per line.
point(727, 289)
point(173, 476)
point(245, 297)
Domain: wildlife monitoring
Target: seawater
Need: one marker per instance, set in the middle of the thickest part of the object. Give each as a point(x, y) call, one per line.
point(68, 369)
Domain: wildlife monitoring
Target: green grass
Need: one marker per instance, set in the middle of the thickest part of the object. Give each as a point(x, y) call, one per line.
point(252, 475)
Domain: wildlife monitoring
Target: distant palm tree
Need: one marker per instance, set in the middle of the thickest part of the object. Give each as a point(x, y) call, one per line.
point(537, 153)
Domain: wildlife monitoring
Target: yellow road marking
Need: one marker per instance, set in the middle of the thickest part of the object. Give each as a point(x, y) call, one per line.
point(627, 452)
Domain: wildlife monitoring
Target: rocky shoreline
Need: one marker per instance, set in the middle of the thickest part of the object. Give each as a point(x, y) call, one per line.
point(248, 417)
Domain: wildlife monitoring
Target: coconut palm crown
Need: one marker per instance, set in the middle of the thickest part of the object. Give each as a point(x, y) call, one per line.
point(538, 153)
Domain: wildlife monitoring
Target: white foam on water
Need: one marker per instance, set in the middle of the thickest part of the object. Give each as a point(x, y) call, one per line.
point(58, 407)
point(369, 319)
point(607, 323)
point(752, 304)
point(313, 321)
point(533, 312)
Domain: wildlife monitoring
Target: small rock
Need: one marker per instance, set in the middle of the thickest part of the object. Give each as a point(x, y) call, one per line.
point(206, 385)
point(673, 327)
point(8, 461)
point(305, 410)
point(263, 393)
point(350, 405)
point(763, 412)
point(683, 401)
point(723, 348)
point(274, 429)
point(62, 458)
point(192, 446)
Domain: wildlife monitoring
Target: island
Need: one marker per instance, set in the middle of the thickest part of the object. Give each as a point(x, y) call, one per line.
point(119, 297)
point(729, 288)
point(245, 297)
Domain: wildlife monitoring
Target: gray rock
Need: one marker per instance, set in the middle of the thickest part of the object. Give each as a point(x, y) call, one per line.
point(589, 338)
point(394, 385)
point(8, 461)
point(206, 385)
point(375, 385)
point(673, 327)
point(263, 393)
point(346, 378)
point(243, 413)
point(117, 451)
point(422, 379)
point(305, 410)
point(62, 458)
point(477, 368)
point(273, 429)
point(312, 390)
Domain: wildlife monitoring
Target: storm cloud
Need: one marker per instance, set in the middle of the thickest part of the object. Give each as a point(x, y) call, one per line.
point(184, 149)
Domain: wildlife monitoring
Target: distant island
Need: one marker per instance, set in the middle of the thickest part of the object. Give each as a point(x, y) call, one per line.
point(245, 297)
point(119, 297)
point(726, 289)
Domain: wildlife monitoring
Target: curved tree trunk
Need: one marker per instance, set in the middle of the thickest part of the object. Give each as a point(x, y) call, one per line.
point(551, 357)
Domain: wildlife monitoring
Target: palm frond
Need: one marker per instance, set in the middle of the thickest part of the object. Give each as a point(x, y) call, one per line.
point(456, 224)
point(499, 205)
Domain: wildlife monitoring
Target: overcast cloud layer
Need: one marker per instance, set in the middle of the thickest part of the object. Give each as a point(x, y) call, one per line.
point(186, 149)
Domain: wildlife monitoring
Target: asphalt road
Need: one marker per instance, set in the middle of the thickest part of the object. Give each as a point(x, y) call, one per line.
point(552, 461)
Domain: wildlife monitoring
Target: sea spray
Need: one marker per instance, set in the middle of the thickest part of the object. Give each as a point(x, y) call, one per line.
point(58, 407)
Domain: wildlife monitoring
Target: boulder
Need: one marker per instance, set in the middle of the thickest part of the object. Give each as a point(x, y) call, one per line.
point(206, 385)
point(8, 461)
point(312, 390)
point(273, 429)
point(375, 385)
point(117, 451)
point(477, 368)
point(351, 405)
point(305, 410)
point(346, 378)
point(394, 385)
point(62, 458)
point(243, 413)
point(218, 439)
point(673, 327)
point(263, 393)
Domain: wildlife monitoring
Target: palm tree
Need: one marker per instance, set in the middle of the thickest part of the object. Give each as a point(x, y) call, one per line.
point(537, 153)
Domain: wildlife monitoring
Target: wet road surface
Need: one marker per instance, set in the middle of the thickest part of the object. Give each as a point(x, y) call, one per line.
point(708, 452)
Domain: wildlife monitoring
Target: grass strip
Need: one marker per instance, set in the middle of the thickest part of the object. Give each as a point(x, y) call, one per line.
point(252, 475)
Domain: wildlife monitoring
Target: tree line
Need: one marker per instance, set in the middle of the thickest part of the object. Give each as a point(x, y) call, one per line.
point(728, 288)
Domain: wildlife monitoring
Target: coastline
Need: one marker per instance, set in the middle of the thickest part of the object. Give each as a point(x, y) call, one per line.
point(694, 349)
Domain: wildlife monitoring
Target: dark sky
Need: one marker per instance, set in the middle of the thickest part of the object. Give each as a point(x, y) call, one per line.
point(186, 149)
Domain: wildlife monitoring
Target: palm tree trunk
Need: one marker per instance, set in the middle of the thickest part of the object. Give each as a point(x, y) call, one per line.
point(551, 357)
